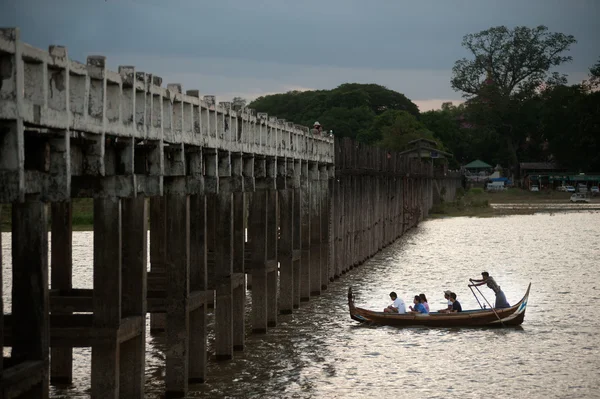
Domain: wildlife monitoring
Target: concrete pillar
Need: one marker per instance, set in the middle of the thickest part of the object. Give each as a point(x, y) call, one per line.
point(30, 328)
point(198, 283)
point(285, 248)
point(239, 238)
point(224, 261)
point(177, 290)
point(107, 296)
point(272, 238)
point(257, 231)
point(305, 213)
point(315, 228)
point(134, 264)
point(61, 359)
point(158, 250)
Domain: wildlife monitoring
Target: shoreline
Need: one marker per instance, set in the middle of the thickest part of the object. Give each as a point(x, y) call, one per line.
point(473, 203)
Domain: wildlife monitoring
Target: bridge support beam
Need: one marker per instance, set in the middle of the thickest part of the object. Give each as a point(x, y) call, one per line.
point(314, 184)
point(61, 363)
point(285, 248)
point(305, 269)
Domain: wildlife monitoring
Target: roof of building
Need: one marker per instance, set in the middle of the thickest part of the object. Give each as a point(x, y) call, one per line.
point(539, 166)
point(477, 164)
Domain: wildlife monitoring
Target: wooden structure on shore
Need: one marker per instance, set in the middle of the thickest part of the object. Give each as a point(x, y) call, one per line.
point(198, 175)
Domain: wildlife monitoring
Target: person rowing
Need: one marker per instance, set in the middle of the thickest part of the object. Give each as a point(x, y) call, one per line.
point(501, 301)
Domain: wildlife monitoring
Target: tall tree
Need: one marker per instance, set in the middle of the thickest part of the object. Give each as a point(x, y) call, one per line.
point(517, 60)
point(502, 80)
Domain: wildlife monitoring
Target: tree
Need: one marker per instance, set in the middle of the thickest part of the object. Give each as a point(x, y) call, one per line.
point(350, 110)
point(403, 129)
point(517, 60)
point(503, 80)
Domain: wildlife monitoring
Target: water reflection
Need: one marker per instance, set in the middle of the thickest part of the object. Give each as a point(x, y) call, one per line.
point(320, 352)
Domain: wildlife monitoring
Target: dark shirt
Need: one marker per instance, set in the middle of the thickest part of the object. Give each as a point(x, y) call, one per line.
point(456, 306)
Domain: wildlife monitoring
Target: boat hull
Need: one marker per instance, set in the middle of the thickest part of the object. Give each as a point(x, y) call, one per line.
point(512, 316)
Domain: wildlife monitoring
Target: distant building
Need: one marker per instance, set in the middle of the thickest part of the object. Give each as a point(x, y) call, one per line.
point(539, 173)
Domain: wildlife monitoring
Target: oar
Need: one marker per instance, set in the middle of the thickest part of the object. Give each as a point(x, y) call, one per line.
point(493, 310)
point(473, 292)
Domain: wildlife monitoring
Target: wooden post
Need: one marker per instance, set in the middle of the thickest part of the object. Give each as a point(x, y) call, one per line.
point(61, 359)
point(297, 231)
point(257, 231)
point(239, 244)
point(158, 250)
point(285, 248)
point(198, 283)
point(30, 329)
point(305, 234)
point(107, 296)
point(134, 252)
point(272, 238)
point(177, 318)
point(315, 228)
point(224, 261)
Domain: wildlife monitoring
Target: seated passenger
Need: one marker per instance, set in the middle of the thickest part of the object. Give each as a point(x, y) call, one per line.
point(424, 302)
point(419, 308)
point(397, 305)
point(447, 297)
point(455, 304)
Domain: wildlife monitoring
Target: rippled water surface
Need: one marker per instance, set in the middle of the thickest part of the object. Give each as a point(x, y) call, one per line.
point(320, 352)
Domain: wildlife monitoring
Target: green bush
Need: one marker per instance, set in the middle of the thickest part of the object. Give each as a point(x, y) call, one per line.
point(476, 191)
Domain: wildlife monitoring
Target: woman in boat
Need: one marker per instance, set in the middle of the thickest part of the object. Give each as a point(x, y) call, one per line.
point(424, 302)
point(397, 305)
point(501, 301)
point(419, 308)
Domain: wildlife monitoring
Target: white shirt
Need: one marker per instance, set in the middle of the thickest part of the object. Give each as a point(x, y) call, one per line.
point(399, 303)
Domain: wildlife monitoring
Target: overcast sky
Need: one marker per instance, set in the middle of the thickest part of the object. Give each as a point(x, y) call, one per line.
point(249, 48)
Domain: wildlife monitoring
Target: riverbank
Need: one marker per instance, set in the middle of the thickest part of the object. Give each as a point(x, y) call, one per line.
point(83, 215)
point(480, 203)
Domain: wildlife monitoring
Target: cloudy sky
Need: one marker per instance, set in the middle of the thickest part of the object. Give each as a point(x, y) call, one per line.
point(253, 47)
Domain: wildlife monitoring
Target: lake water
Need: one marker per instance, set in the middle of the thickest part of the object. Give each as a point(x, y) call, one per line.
point(319, 352)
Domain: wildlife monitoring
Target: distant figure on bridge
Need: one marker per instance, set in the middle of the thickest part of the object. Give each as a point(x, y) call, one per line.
point(316, 130)
point(501, 301)
point(397, 305)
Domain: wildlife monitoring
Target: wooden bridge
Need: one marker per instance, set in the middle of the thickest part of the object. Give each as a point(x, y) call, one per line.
point(225, 195)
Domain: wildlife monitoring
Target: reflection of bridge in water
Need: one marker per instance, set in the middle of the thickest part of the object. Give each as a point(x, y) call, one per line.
point(196, 174)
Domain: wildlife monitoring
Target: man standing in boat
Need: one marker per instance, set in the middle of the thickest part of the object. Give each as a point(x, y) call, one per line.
point(397, 305)
point(501, 301)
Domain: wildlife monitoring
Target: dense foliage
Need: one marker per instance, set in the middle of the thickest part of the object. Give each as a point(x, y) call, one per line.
point(359, 111)
point(518, 109)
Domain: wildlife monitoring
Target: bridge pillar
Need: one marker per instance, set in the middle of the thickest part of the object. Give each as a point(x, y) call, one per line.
point(305, 269)
point(61, 359)
point(285, 248)
point(158, 251)
point(272, 238)
point(324, 224)
point(315, 228)
point(134, 257)
point(257, 232)
point(198, 284)
point(30, 322)
point(225, 281)
point(107, 296)
point(177, 294)
point(242, 173)
point(297, 231)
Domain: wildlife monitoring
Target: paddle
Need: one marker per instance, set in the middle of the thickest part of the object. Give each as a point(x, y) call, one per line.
point(493, 310)
point(477, 299)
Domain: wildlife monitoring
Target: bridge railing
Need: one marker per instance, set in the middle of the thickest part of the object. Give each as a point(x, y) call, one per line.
point(50, 104)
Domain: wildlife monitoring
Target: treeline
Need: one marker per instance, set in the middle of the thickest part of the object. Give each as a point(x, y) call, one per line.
point(369, 113)
point(516, 110)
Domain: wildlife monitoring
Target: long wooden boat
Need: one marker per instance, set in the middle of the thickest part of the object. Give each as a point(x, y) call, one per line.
point(512, 316)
